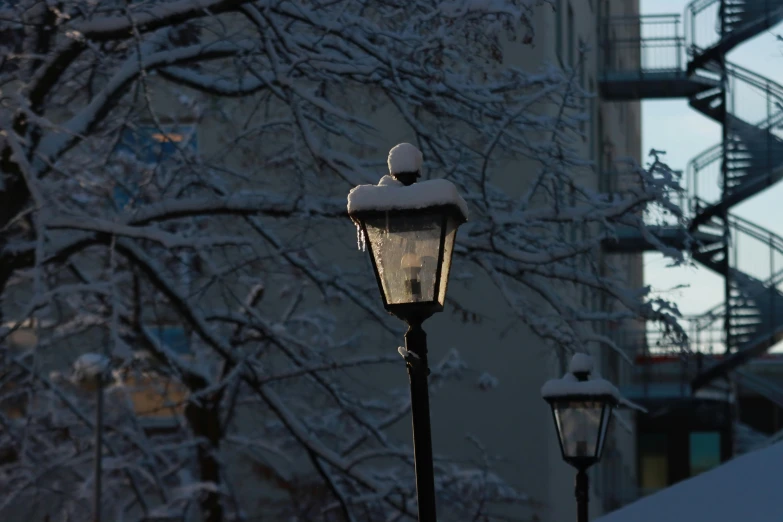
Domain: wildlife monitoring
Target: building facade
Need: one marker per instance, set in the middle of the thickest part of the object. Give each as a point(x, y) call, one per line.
point(511, 420)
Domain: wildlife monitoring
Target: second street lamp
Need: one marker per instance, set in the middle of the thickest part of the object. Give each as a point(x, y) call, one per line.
point(410, 228)
point(582, 407)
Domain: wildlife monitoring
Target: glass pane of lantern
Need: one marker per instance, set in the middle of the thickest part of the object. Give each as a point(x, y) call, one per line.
point(579, 427)
point(605, 419)
point(448, 250)
point(405, 248)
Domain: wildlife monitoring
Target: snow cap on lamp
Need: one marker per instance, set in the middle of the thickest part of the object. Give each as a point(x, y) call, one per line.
point(389, 194)
point(88, 369)
point(405, 163)
point(582, 381)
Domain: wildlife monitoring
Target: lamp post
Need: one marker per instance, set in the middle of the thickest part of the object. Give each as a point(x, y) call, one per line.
point(582, 409)
point(411, 228)
point(92, 372)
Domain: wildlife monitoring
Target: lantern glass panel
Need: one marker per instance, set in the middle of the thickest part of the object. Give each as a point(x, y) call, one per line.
point(452, 223)
point(406, 248)
point(581, 427)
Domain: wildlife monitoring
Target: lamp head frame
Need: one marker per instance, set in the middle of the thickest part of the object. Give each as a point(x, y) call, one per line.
point(418, 312)
point(608, 402)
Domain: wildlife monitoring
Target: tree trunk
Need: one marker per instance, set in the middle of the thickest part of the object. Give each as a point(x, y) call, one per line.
point(204, 420)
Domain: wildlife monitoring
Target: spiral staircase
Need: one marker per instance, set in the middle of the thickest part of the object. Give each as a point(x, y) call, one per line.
point(648, 57)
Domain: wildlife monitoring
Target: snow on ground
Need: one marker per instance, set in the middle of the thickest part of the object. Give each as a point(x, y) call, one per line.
point(745, 489)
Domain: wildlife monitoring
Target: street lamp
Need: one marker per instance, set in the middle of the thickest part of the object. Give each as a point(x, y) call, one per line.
point(582, 409)
point(411, 228)
point(92, 372)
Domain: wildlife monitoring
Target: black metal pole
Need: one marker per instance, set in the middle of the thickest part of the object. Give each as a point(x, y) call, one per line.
point(418, 370)
point(98, 447)
point(582, 495)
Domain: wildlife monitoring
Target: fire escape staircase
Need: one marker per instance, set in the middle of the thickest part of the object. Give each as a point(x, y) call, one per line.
point(646, 57)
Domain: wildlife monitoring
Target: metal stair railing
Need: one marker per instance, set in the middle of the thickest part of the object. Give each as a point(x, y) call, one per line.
point(646, 45)
point(748, 304)
point(680, 364)
point(760, 385)
point(742, 155)
point(770, 91)
point(706, 165)
point(714, 27)
point(702, 328)
point(696, 12)
point(703, 337)
point(642, 45)
point(757, 232)
point(773, 439)
point(751, 110)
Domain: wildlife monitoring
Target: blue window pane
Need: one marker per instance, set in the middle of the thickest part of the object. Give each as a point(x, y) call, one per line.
point(122, 196)
point(173, 337)
point(704, 451)
point(151, 145)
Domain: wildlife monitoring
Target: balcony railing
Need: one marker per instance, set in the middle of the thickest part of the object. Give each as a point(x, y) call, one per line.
point(639, 45)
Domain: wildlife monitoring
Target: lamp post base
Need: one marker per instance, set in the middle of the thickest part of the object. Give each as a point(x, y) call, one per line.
point(418, 370)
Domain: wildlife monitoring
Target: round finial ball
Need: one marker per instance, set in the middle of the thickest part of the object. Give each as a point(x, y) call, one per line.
point(580, 363)
point(404, 158)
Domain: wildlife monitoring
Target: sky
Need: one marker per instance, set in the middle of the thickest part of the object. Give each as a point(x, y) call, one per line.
point(683, 133)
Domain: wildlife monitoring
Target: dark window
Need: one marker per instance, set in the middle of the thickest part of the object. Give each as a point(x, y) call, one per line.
point(704, 451)
point(11, 40)
point(653, 462)
point(172, 337)
point(570, 33)
point(184, 34)
point(585, 102)
point(572, 204)
point(559, 29)
point(591, 122)
point(602, 167)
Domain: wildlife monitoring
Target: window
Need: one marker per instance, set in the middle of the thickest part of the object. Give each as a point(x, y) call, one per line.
point(559, 30)
point(704, 451)
point(570, 34)
point(653, 462)
point(173, 337)
point(11, 43)
point(159, 400)
point(571, 205)
point(602, 167)
point(157, 397)
point(610, 173)
point(184, 34)
point(150, 145)
point(587, 292)
point(591, 129)
point(587, 103)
